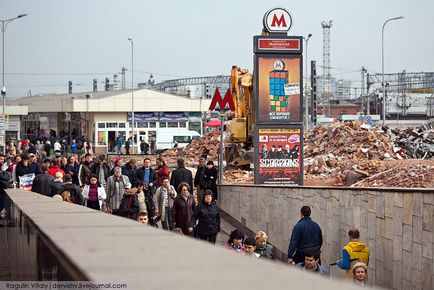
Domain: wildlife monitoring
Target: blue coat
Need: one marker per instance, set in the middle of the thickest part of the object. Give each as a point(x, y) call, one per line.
point(305, 235)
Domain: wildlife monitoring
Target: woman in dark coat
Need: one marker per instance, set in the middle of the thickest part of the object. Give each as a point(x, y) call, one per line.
point(210, 178)
point(183, 208)
point(129, 206)
point(207, 213)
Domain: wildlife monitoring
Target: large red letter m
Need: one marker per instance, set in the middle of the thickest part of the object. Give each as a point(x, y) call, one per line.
point(278, 22)
point(222, 102)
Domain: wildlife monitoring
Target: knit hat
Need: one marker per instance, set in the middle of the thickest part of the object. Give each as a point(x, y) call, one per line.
point(117, 160)
point(208, 192)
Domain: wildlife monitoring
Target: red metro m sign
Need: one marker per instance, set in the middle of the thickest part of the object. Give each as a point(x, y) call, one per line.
point(227, 100)
point(277, 20)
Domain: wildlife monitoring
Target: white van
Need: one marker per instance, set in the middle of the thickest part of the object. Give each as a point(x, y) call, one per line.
point(167, 139)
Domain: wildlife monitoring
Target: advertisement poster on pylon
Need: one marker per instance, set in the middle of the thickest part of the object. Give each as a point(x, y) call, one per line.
point(279, 89)
point(279, 155)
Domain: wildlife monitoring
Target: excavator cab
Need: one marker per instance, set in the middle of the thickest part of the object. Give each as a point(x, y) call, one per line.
point(242, 120)
point(239, 153)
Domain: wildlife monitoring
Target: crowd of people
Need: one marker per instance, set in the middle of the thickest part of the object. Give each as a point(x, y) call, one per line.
point(175, 201)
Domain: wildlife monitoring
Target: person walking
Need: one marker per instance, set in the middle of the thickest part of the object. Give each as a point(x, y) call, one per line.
point(235, 241)
point(55, 168)
point(360, 274)
point(161, 170)
point(127, 147)
point(355, 251)
point(84, 171)
point(208, 216)
point(115, 188)
point(210, 176)
point(262, 247)
point(4, 182)
point(306, 235)
point(73, 147)
point(130, 170)
point(164, 198)
point(101, 169)
point(42, 182)
point(183, 207)
point(199, 183)
point(73, 190)
point(72, 168)
point(94, 194)
point(311, 263)
point(129, 206)
point(57, 184)
point(181, 174)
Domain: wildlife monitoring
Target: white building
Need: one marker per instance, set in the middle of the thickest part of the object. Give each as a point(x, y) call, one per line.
point(103, 116)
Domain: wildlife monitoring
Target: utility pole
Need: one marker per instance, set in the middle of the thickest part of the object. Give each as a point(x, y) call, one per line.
point(362, 90)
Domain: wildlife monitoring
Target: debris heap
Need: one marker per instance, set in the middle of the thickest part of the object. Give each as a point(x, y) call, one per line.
point(346, 151)
point(412, 176)
point(238, 176)
point(415, 143)
point(207, 145)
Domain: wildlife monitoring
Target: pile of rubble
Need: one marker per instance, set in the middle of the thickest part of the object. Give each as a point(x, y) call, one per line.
point(206, 146)
point(238, 176)
point(415, 143)
point(346, 152)
point(412, 176)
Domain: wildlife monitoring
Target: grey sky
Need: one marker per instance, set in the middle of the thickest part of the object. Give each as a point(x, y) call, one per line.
point(174, 39)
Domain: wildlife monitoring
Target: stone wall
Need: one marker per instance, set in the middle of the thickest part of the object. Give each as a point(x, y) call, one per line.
point(397, 225)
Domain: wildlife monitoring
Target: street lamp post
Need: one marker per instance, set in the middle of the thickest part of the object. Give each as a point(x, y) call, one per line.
point(132, 91)
point(383, 85)
point(4, 23)
point(306, 82)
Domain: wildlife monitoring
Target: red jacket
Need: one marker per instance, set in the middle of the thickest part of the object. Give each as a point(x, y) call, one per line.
point(54, 169)
point(162, 172)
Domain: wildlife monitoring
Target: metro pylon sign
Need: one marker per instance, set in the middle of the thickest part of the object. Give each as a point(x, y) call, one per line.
point(227, 100)
point(277, 20)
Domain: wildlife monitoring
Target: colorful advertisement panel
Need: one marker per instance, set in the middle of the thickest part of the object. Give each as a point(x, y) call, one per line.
point(279, 89)
point(279, 155)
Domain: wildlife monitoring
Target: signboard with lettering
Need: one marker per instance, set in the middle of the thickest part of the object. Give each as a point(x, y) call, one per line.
point(279, 158)
point(278, 93)
point(279, 88)
point(26, 181)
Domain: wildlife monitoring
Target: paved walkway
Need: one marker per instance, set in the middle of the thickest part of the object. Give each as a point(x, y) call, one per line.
point(5, 271)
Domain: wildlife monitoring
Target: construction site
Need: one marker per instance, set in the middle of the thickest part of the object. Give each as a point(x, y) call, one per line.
point(357, 141)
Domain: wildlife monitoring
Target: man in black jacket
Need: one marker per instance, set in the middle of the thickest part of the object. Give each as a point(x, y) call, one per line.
point(4, 178)
point(181, 174)
point(199, 181)
point(25, 167)
point(130, 170)
point(34, 165)
point(42, 182)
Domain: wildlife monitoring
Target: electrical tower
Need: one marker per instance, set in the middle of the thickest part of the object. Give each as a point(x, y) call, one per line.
point(326, 79)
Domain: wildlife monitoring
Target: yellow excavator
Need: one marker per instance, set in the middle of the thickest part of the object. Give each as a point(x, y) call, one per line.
point(239, 153)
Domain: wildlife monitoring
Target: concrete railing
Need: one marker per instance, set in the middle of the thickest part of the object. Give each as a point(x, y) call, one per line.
point(55, 240)
point(397, 225)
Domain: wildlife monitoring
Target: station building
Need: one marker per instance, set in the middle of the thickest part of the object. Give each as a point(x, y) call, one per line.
point(103, 116)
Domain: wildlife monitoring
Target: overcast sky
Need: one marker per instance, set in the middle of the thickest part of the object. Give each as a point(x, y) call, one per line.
point(80, 40)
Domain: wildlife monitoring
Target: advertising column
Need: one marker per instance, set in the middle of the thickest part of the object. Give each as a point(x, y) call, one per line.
point(278, 91)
